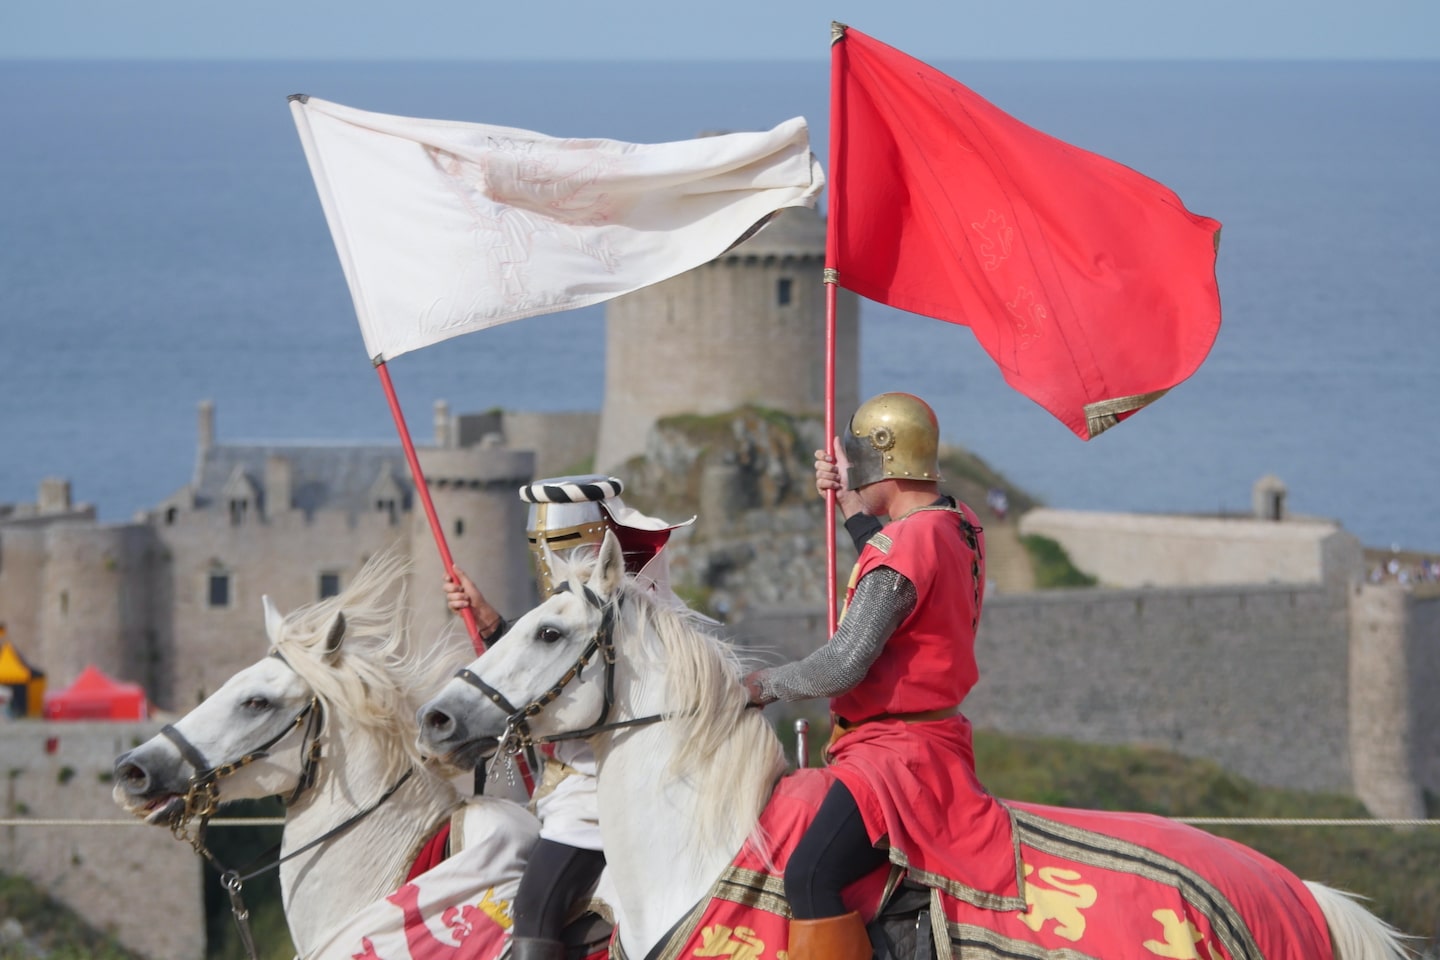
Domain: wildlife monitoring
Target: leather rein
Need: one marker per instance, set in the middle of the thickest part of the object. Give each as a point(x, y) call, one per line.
point(202, 800)
point(517, 736)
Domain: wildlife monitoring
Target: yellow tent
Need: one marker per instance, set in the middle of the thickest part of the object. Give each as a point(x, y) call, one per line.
point(27, 685)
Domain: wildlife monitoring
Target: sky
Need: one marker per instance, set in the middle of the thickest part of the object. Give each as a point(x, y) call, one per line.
point(660, 30)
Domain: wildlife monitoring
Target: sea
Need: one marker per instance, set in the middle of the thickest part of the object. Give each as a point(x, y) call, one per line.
point(161, 244)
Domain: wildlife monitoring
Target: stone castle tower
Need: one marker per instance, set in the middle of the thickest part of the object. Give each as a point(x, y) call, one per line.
point(748, 327)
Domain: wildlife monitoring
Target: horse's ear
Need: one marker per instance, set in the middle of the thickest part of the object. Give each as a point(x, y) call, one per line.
point(609, 567)
point(335, 636)
point(273, 619)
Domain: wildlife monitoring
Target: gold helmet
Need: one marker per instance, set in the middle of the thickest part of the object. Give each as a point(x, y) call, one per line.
point(893, 435)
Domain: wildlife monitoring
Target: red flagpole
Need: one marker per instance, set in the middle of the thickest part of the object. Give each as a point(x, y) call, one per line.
point(832, 281)
point(830, 296)
point(423, 490)
point(467, 614)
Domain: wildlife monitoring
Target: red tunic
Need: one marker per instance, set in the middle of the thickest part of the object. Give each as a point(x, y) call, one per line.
point(915, 783)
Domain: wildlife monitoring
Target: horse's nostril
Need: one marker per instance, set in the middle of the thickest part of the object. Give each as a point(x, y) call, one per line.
point(132, 777)
point(438, 720)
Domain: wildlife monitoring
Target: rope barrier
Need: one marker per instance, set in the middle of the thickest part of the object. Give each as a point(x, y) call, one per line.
point(1283, 822)
point(135, 822)
point(1193, 821)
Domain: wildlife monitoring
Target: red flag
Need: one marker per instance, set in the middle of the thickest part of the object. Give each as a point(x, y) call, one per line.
point(1089, 284)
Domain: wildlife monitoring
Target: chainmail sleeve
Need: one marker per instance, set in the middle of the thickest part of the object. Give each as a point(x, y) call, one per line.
point(883, 598)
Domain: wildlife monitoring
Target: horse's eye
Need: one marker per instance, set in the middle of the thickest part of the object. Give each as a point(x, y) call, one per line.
point(548, 634)
point(255, 703)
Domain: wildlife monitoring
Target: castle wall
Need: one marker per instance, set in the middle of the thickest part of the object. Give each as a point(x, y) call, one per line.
point(1253, 678)
point(563, 443)
point(1138, 550)
point(96, 601)
point(200, 645)
point(476, 494)
point(135, 880)
point(1394, 673)
point(1423, 671)
point(716, 338)
point(22, 566)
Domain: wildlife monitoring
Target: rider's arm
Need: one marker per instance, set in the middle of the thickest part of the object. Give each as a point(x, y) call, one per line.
point(461, 592)
point(883, 598)
point(861, 528)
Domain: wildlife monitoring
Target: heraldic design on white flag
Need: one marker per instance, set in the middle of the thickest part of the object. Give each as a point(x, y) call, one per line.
point(444, 228)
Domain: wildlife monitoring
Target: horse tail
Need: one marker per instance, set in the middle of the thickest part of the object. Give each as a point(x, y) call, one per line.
point(1356, 933)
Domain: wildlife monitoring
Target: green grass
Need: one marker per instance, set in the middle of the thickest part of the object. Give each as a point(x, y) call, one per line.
point(1052, 565)
point(52, 929)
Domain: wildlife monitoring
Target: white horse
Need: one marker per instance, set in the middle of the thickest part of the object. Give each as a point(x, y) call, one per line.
point(685, 770)
point(326, 720)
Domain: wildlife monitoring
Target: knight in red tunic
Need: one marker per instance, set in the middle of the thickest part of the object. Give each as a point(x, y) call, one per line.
point(896, 671)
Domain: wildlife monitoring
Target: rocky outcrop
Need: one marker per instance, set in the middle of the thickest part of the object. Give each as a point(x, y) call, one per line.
point(759, 541)
point(749, 477)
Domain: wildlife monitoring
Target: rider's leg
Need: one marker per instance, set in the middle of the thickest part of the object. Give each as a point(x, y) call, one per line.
point(834, 852)
point(556, 876)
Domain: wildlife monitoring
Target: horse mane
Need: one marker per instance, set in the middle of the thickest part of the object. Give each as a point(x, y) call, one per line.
point(381, 678)
point(730, 750)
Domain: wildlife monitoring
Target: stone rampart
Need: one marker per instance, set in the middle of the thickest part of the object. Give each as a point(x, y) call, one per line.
point(1394, 714)
point(1251, 677)
point(563, 443)
point(1142, 550)
point(98, 587)
point(133, 880)
point(200, 643)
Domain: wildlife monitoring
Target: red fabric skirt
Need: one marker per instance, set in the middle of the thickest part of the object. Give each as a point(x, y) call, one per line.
point(916, 788)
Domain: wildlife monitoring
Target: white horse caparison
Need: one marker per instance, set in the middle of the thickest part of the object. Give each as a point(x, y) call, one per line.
point(680, 796)
point(345, 664)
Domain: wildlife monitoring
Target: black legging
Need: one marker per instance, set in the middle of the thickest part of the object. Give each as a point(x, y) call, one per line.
point(555, 877)
point(834, 852)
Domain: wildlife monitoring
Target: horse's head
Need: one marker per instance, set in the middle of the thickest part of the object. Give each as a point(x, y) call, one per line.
point(340, 670)
point(252, 738)
point(551, 674)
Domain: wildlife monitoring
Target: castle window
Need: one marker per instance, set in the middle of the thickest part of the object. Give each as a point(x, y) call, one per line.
point(459, 527)
point(170, 515)
point(784, 291)
point(237, 511)
point(329, 585)
point(387, 507)
point(64, 601)
point(218, 593)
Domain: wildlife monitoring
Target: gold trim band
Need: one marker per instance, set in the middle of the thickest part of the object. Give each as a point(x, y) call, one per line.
point(1104, 414)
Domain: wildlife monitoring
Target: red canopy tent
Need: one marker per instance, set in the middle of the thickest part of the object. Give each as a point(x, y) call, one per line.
point(94, 696)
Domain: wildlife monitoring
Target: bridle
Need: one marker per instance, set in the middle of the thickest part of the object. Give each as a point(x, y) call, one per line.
point(202, 800)
point(517, 736)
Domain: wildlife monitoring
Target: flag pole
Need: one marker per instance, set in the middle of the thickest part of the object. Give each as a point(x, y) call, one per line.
point(466, 613)
point(423, 491)
point(832, 281)
point(830, 614)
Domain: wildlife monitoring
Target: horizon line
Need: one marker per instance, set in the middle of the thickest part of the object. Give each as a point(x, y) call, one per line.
point(701, 60)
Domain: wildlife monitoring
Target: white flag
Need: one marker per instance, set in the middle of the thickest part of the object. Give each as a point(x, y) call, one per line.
point(444, 228)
